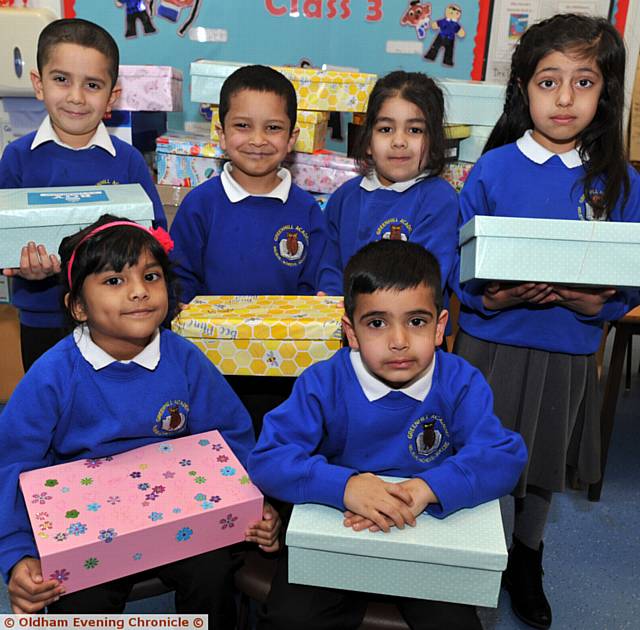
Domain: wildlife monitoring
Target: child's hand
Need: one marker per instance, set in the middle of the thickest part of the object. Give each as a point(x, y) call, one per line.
point(499, 295)
point(379, 501)
point(585, 301)
point(266, 531)
point(28, 591)
point(35, 263)
point(421, 494)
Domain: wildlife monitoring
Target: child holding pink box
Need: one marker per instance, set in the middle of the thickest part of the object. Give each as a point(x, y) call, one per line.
point(102, 391)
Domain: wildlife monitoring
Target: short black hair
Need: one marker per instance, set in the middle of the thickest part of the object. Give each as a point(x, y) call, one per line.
point(82, 33)
point(114, 248)
point(260, 79)
point(395, 265)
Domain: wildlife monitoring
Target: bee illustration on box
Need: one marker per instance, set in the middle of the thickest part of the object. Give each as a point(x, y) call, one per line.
point(418, 15)
point(448, 29)
point(137, 10)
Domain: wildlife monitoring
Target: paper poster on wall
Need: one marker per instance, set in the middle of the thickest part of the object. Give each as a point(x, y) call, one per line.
point(511, 18)
point(141, 15)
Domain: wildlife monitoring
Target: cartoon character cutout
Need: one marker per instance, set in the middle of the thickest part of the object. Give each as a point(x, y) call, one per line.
point(418, 15)
point(171, 10)
point(429, 439)
point(175, 420)
point(395, 234)
point(449, 28)
point(137, 10)
point(291, 248)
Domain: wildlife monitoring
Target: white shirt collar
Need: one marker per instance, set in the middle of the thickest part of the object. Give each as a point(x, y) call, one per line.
point(371, 182)
point(539, 154)
point(374, 389)
point(236, 192)
point(46, 133)
point(98, 358)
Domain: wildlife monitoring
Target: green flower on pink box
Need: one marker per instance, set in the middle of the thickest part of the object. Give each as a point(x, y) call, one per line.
point(50, 483)
point(91, 563)
point(72, 514)
point(86, 481)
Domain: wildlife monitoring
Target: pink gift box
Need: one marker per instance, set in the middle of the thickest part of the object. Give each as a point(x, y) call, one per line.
point(96, 520)
point(322, 172)
point(150, 89)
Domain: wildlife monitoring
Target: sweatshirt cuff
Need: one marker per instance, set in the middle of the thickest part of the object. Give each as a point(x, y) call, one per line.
point(22, 546)
point(451, 487)
point(326, 483)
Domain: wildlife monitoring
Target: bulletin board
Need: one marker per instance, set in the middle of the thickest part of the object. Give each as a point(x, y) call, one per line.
point(372, 35)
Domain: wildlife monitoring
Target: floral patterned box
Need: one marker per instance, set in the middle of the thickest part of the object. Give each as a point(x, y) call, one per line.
point(263, 335)
point(150, 89)
point(322, 172)
point(456, 559)
point(96, 520)
point(313, 129)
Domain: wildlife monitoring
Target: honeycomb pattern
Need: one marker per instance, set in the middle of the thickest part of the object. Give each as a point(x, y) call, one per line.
point(263, 335)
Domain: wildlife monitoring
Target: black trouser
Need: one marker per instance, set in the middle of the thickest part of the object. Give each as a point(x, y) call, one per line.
point(313, 608)
point(438, 42)
point(203, 585)
point(34, 342)
point(143, 16)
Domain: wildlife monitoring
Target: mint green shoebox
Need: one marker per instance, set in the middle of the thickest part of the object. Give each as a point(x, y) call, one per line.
point(207, 78)
point(458, 559)
point(47, 215)
point(472, 102)
point(588, 253)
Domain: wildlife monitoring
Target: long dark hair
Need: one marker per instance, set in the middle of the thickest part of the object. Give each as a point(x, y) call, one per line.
point(424, 93)
point(601, 143)
point(114, 248)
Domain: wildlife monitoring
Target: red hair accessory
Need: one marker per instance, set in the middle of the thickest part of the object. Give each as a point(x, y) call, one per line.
point(159, 233)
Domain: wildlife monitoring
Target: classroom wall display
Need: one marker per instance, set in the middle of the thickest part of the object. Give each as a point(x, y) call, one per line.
point(374, 36)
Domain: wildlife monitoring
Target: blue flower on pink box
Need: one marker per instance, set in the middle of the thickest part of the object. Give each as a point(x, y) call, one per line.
point(203, 442)
point(207, 505)
point(65, 489)
point(137, 556)
point(93, 507)
point(165, 448)
point(77, 529)
point(200, 497)
point(227, 471)
point(176, 510)
point(107, 535)
point(229, 521)
point(156, 516)
point(184, 534)
point(185, 462)
point(143, 486)
point(62, 575)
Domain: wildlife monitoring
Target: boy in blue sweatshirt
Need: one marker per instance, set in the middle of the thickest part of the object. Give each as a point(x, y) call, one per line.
point(387, 405)
point(76, 78)
point(251, 231)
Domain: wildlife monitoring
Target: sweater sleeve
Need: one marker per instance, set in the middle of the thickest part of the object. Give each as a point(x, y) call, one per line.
point(139, 173)
point(307, 284)
point(189, 231)
point(487, 459)
point(27, 429)
point(331, 267)
point(10, 170)
point(286, 463)
point(214, 405)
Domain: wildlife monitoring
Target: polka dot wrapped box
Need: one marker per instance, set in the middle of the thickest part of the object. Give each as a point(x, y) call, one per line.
point(572, 252)
point(263, 335)
point(457, 559)
point(96, 520)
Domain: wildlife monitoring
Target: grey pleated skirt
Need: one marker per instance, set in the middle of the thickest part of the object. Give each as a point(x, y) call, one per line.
point(551, 399)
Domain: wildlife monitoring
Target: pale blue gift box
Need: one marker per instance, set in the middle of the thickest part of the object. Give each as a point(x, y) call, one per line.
point(472, 102)
point(591, 253)
point(207, 78)
point(47, 215)
point(471, 148)
point(458, 559)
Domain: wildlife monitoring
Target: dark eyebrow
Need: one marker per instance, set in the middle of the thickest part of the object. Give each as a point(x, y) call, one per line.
point(373, 314)
point(410, 120)
point(555, 69)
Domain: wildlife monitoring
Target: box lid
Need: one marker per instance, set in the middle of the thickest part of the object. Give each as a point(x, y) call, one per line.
point(237, 317)
point(550, 229)
point(317, 75)
point(457, 132)
point(150, 71)
point(468, 538)
point(322, 159)
point(210, 68)
point(188, 144)
point(42, 206)
point(473, 89)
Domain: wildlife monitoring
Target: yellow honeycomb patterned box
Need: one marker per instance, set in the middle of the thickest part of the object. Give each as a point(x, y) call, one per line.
point(313, 129)
point(330, 90)
point(263, 335)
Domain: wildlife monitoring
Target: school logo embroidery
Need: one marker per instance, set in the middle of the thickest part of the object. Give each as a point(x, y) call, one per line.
point(171, 418)
point(290, 245)
point(585, 211)
point(395, 230)
point(428, 438)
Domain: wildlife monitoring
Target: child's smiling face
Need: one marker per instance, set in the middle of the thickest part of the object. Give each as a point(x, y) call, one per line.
point(76, 88)
point(396, 333)
point(257, 137)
